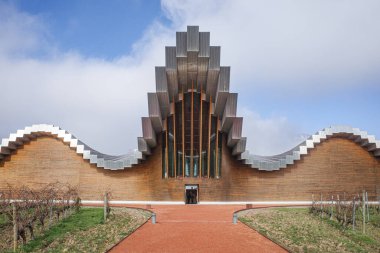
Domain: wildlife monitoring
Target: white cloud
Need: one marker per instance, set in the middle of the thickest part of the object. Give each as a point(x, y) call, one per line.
point(20, 32)
point(269, 135)
point(282, 46)
point(290, 45)
point(99, 101)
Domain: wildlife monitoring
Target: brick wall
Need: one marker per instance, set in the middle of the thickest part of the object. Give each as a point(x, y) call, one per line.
point(335, 165)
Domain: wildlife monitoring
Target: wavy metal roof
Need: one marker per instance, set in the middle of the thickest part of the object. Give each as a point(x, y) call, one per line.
point(266, 163)
point(276, 162)
point(101, 160)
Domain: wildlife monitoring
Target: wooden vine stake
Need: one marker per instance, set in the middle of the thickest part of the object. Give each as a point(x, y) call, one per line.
point(14, 227)
point(105, 206)
point(321, 207)
point(363, 211)
point(50, 216)
point(367, 204)
point(353, 214)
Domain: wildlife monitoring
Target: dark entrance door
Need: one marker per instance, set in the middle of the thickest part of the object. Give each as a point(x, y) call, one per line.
point(191, 194)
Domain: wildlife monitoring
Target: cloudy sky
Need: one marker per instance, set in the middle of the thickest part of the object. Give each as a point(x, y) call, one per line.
point(86, 66)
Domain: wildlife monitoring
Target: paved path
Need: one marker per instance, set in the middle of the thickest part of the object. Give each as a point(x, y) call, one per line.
point(196, 228)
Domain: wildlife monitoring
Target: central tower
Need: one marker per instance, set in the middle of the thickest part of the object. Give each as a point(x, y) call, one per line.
point(191, 140)
point(192, 109)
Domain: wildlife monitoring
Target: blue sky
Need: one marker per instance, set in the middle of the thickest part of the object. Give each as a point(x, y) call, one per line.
point(101, 29)
point(86, 65)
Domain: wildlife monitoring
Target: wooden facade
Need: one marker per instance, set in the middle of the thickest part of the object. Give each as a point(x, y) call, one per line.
point(336, 164)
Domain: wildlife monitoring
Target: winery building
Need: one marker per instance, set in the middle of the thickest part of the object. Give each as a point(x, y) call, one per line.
point(192, 145)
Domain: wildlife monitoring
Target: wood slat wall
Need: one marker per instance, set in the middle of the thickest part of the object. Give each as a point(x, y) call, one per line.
point(335, 165)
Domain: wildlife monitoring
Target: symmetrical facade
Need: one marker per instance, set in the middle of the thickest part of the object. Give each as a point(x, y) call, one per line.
point(192, 143)
point(192, 108)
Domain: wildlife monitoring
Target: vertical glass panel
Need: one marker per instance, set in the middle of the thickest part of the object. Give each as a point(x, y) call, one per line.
point(196, 129)
point(196, 166)
point(204, 164)
point(170, 146)
point(163, 154)
point(213, 147)
point(205, 137)
point(178, 133)
point(220, 144)
point(186, 150)
point(212, 160)
point(187, 166)
point(179, 163)
point(187, 127)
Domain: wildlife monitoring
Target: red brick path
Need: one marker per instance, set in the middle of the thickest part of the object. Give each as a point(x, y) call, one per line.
point(196, 228)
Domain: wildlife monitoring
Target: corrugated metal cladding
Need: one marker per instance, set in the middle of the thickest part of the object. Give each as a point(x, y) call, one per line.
point(181, 44)
point(231, 105)
point(193, 38)
point(155, 112)
point(235, 132)
point(214, 57)
point(192, 65)
point(143, 146)
point(153, 105)
point(240, 146)
point(161, 79)
point(182, 72)
point(212, 82)
point(148, 132)
point(170, 58)
point(229, 112)
point(220, 102)
point(224, 79)
point(171, 71)
point(213, 71)
point(204, 44)
point(163, 98)
point(202, 71)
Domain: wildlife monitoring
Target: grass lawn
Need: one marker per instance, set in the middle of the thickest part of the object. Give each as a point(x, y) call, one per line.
point(3, 221)
point(81, 221)
point(86, 231)
point(299, 231)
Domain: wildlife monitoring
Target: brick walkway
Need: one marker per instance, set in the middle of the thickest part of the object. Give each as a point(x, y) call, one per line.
point(195, 228)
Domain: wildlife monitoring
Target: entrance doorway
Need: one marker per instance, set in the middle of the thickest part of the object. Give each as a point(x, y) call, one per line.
point(191, 194)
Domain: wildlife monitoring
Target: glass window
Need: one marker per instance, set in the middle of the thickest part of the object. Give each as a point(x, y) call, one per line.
point(170, 146)
point(192, 144)
point(187, 166)
point(163, 154)
point(220, 142)
point(178, 134)
point(196, 166)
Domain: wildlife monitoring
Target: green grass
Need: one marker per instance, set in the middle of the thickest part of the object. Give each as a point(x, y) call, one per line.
point(3, 220)
point(84, 231)
point(300, 231)
point(375, 218)
point(81, 221)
